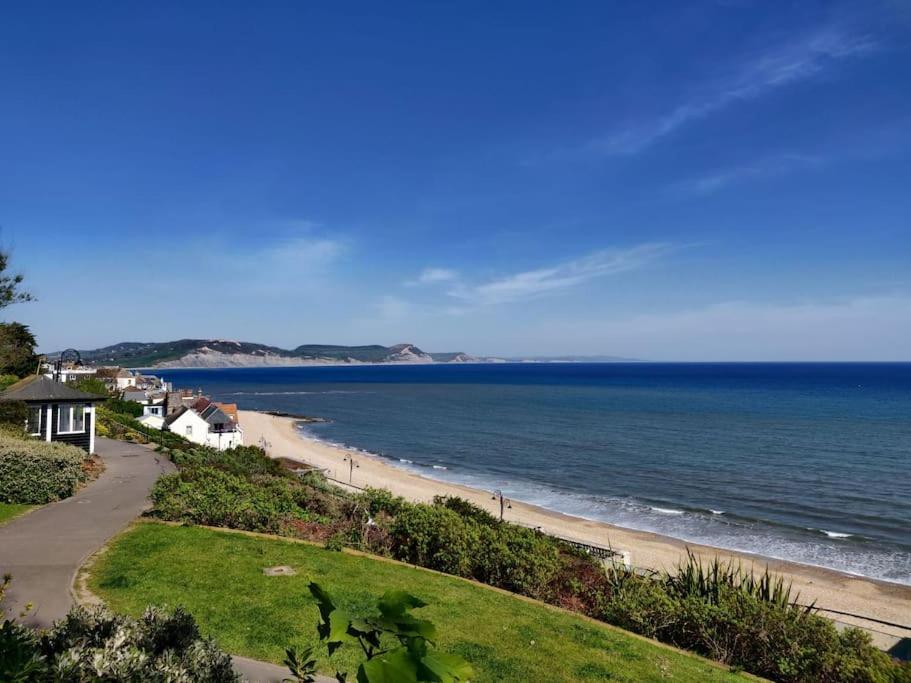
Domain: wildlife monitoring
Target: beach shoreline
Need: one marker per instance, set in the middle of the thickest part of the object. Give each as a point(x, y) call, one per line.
point(828, 588)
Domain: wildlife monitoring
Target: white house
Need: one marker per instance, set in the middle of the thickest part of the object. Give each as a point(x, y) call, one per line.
point(211, 428)
point(70, 374)
point(124, 379)
point(224, 432)
point(188, 424)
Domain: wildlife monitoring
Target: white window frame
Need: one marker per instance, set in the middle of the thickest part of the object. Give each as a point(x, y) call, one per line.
point(40, 410)
point(72, 413)
point(188, 430)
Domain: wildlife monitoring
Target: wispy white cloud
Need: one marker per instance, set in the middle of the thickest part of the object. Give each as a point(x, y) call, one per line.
point(533, 283)
point(775, 68)
point(768, 167)
point(433, 276)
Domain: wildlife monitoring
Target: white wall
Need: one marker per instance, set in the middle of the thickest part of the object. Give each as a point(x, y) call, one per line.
point(225, 440)
point(200, 428)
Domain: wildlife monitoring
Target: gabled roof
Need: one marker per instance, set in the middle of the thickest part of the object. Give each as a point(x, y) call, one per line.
point(170, 419)
point(229, 409)
point(41, 388)
point(215, 415)
point(173, 417)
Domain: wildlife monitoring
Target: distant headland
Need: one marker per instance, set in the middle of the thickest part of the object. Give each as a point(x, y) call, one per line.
point(224, 353)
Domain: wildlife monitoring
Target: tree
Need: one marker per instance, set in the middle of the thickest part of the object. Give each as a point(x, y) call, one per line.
point(93, 385)
point(17, 350)
point(10, 291)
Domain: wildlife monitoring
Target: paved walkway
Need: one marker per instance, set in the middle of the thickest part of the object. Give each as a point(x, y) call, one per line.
point(43, 549)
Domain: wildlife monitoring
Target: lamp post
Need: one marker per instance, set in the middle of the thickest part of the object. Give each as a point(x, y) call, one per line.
point(351, 465)
point(504, 502)
point(61, 359)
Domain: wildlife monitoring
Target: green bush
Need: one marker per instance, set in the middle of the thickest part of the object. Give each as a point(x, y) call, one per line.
point(502, 555)
point(382, 501)
point(97, 645)
point(121, 407)
point(205, 495)
point(241, 460)
point(36, 472)
point(732, 622)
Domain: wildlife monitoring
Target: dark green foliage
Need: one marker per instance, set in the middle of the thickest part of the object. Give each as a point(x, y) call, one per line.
point(36, 472)
point(241, 460)
point(382, 501)
point(748, 622)
point(118, 405)
point(17, 349)
point(210, 496)
point(97, 645)
point(10, 290)
point(397, 646)
point(465, 509)
point(93, 385)
point(14, 414)
point(502, 555)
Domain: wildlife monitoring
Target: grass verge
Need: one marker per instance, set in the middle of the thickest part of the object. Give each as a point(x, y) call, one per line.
point(10, 510)
point(218, 577)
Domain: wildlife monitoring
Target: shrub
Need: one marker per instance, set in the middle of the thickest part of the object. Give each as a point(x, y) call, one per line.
point(382, 500)
point(436, 538)
point(466, 509)
point(241, 460)
point(516, 559)
point(205, 495)
point(502, 555)
point(121, 407)
point(98, 645)
point(718, 612)
point(13, 415)
point(36, 472)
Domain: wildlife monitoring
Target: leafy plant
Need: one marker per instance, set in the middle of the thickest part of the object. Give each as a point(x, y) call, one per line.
point(37, 472)
point(398, 647)
point(302, 665)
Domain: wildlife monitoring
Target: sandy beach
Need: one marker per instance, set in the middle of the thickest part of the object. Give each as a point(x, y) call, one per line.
point(829, 589)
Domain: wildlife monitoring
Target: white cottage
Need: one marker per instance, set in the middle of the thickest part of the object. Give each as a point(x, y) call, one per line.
point(188, 424)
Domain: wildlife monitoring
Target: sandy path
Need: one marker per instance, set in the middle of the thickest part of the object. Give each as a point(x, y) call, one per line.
point(829, 589)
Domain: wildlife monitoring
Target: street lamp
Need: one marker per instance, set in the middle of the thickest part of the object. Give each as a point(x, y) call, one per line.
point(504, 502)
point(351, 465)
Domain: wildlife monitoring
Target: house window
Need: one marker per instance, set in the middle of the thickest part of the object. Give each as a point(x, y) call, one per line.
point(70, 419)
point(33, 424)
point(189, 430)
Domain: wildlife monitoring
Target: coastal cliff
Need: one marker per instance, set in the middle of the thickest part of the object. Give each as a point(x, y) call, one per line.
point(221, 353)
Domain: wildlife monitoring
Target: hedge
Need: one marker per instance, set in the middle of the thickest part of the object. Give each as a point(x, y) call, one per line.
point(36, 472)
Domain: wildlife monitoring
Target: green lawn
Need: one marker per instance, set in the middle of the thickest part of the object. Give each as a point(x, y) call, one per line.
point(10, 510)
point(218, 577)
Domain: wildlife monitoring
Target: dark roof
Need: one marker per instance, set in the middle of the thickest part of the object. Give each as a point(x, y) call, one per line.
point(173, 416)
point(215, 415)
point(41, 388)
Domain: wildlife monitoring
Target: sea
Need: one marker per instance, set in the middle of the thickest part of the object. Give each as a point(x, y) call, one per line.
point(808, 462)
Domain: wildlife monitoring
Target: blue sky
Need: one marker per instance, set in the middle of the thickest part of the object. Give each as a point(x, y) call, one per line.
point(682, 181)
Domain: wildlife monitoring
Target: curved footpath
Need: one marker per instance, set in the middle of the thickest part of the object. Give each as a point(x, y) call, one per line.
point(43, 549)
